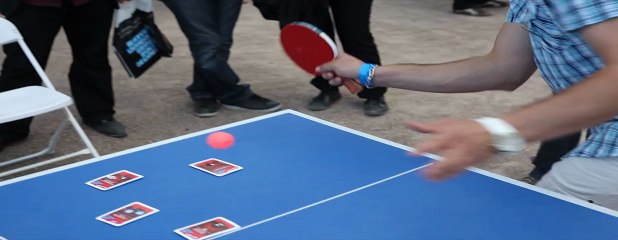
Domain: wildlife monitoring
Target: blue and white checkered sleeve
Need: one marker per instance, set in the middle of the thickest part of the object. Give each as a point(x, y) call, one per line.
point(575, 14)
point(516, 12)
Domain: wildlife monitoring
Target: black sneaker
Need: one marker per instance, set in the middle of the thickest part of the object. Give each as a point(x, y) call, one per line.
point(375, 107)
point(254, 103)
point(108, 127)
point(323, 100)
point(206, 108)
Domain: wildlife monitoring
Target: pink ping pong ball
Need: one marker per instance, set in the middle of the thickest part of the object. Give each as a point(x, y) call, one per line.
point(220, 140)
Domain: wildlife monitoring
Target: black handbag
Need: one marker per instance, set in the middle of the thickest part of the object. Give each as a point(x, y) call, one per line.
point(139, 43)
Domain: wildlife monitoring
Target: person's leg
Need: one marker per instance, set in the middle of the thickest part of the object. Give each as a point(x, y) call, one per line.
point(317, 13)
point(200, 22)
point(320, 17)
point(590, 179)
point(240, 97)
point(208, 25)
point(38, 26)
point(227, 22)
point(551, 152)
point(353, 28)
point(87, 28)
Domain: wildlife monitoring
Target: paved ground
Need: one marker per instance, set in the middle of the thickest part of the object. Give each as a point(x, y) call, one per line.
point(156, 106)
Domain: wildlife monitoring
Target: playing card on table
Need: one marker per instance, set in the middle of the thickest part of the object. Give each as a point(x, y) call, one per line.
point(114, 180)
point(216, 167)
point(128, 213)
point(207, 229)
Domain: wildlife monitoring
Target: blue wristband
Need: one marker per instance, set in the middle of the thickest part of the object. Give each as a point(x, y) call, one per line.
point(363, 73)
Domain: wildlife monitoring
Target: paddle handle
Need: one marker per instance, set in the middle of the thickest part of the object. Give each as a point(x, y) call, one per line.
point(352, 85)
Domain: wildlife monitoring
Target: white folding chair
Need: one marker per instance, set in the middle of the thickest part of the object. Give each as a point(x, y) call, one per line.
point(35, 100)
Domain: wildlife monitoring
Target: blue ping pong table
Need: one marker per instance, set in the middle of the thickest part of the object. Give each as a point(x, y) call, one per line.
point(303, 178)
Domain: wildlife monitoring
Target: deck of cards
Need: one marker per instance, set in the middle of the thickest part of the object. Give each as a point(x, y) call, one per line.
point(207, 229)
point(216, 167)
point(114, 180)
point(127, 213)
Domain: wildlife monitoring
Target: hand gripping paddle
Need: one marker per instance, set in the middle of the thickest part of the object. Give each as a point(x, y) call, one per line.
point(309, 48)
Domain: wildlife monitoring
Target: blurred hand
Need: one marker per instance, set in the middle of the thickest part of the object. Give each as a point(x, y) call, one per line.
point(461, 143)
point(344, 66)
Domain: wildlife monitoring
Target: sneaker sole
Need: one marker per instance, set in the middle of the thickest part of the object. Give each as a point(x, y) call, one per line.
point(375, 114)
point(272, 109)
point(203, 115)
point(321, 107)
point(317, 109)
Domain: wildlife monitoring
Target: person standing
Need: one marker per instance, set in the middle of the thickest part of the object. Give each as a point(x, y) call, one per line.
point(351, 19)
point(86, 24)
point(209, 25)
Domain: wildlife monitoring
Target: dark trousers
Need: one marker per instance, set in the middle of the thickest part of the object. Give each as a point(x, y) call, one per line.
point(551, 152)
point(87, 29)
point(463, 4)
point(351, 19)
point(209, 25)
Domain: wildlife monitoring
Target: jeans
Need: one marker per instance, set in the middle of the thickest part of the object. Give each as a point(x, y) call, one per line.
point(209, 25)
point(87, 29)
point(351, 19)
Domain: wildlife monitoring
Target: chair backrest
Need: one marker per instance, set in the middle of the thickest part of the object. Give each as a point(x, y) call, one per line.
point(8, 32)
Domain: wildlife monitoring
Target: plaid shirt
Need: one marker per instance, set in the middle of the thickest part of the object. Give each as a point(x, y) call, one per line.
point(564, 58)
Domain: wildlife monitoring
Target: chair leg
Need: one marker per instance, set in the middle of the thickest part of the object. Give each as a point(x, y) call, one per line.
point(81, 133)
point(51, 146)
point(53, 142)
point(50, 149)
point(55, 137)
point(50, 161)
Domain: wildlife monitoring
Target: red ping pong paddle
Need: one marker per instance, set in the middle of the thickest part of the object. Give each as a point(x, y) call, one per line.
point(309, 48)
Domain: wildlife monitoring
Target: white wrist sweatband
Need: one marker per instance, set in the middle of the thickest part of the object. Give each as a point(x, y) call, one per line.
point(505, 137)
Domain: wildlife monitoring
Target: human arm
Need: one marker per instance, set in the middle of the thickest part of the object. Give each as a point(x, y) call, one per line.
point(592, 101)
point(506, 67)
point(464, 143)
